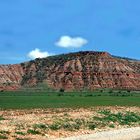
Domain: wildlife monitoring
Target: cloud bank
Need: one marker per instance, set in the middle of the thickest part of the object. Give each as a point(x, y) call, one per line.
point(36, 53)
point(71, 42)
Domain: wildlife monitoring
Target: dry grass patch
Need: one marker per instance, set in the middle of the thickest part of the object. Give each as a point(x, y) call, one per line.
point(54, 123)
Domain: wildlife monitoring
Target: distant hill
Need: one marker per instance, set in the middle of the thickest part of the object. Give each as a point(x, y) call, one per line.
point(73, 71)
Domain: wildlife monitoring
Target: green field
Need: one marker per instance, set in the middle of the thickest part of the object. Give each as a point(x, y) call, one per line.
point(23, 100)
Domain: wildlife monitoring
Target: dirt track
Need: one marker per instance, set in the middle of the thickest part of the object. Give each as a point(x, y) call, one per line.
point(122, 134)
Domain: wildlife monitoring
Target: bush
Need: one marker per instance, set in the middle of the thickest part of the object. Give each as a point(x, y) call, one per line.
point(105, 112)
point(55, 126)
point(101, 90)
point(20, 133)
point(33, 132)
point(121, 94)
point(40, 126)
point(80, 121)
point(112, 126)
point(111, 91)
point(1, 118)
point(4, 132)
point(127, 118)
point(91, 125)
point(71, 126)
point(129, 91)
point(62, 90)
point(60, 94)
point(22, 139)
point(88, 95)
point(3, 137)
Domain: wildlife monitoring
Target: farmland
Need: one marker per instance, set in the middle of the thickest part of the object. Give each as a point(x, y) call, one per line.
point(29, 100)
point(47, 115)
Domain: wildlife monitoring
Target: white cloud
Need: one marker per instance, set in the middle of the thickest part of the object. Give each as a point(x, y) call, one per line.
point(71, 42)
point(38, 54)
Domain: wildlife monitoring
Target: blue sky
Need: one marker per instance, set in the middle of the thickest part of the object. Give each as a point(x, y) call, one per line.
point(46, 27)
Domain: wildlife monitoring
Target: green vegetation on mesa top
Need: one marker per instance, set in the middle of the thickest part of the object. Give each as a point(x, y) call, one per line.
point(28, 100)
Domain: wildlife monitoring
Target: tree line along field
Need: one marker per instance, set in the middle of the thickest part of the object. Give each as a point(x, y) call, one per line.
point(28, 100)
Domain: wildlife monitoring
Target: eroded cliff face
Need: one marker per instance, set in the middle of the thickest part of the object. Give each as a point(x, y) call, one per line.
point(10, 77)
point(75, 71)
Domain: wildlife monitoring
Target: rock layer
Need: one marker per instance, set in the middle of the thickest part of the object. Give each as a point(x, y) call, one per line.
point(10, 77)
point(74, 71)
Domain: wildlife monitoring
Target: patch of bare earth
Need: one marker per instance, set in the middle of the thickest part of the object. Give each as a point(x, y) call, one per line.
point(34, 124)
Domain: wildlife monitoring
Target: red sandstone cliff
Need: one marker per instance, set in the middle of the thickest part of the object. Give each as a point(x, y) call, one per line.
point(74, 71)
point(10, 77)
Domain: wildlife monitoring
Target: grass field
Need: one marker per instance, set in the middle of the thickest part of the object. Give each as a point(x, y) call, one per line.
point(22, 100)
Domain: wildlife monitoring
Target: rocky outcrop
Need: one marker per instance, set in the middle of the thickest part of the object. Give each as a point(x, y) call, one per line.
point(10, 77)
point(74, 71)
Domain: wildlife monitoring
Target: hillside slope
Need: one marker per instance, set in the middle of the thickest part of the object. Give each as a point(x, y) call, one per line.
point(74, 71)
